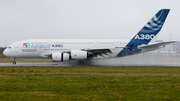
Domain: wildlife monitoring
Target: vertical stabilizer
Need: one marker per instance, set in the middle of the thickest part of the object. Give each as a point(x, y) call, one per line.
point(148, 33)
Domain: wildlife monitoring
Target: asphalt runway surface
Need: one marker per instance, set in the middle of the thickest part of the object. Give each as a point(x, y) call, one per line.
point(62, 64)
point(135, 60)
point(27, 64)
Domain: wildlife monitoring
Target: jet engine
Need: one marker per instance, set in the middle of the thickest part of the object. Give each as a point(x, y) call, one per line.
point(60, 57)
point(79, 55)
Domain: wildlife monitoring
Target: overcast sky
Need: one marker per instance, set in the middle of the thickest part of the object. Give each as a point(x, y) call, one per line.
point(83, 19)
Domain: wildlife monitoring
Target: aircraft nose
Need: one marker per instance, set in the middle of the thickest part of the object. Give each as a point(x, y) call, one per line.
point(5, 52)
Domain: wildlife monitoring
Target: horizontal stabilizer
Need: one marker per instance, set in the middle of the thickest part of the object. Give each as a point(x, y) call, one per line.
point(151, 47)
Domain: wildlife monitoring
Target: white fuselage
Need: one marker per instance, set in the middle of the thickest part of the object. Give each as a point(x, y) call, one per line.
point(40, 48)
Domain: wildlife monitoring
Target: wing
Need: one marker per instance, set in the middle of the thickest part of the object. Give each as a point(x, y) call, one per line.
point(151, 47)
point(94, 52)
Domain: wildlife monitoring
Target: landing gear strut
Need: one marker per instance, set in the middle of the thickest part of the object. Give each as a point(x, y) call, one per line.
point(14, 61)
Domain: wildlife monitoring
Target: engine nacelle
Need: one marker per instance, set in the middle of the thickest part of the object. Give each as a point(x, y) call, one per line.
point(78, 55)
point(59, 57)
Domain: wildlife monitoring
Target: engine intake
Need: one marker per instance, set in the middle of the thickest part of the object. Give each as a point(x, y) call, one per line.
point(60, 57)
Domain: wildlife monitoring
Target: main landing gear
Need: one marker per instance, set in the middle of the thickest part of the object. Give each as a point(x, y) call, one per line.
point(85, 62)
point(80, 62)
point(14, 61)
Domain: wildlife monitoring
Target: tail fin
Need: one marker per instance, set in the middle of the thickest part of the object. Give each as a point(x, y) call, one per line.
point(151, 29)
point(146, 34)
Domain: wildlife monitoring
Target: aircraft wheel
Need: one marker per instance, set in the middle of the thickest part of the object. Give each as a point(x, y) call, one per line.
point(14, 62)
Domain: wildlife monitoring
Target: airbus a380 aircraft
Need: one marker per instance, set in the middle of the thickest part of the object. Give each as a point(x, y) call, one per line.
point(86, 49)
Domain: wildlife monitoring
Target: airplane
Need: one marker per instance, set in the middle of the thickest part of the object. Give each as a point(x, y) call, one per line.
point(61, 50)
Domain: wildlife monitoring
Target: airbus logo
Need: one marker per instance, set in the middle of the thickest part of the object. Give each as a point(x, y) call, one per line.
point(27, 45)
point(41, 46)
point(142, 37)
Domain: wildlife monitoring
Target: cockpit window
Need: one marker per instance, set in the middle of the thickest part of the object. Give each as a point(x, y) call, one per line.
point(9, 47)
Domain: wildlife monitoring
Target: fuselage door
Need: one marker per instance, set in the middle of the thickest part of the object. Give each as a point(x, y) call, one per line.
point(16, 49)
point(96, 43)
point(116, 43)
point(40, 50)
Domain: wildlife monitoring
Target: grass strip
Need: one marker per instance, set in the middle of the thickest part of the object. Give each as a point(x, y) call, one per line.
point(90, 83)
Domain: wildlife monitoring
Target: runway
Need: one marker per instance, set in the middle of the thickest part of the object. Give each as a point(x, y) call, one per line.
point(28, 64)
point(62, 64)
point(135, 60)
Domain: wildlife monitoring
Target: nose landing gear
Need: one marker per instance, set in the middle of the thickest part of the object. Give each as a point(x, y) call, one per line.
point(14, 61)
